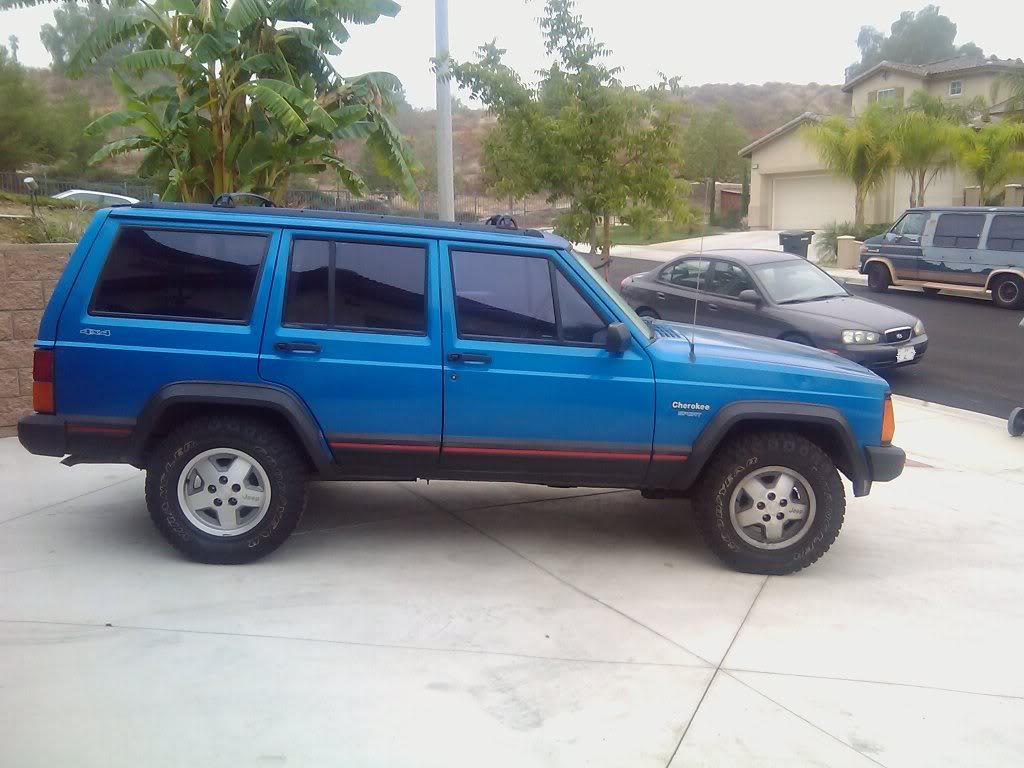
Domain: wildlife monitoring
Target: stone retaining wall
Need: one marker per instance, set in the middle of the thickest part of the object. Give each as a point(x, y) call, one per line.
point(27, 276)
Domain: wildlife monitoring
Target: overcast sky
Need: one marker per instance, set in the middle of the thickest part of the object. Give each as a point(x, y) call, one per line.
point(714, 41)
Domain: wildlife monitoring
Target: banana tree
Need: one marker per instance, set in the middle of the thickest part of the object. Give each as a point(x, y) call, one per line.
point(240, 96)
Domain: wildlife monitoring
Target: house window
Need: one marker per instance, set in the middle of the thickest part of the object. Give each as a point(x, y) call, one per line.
point(886, 94)
point(956, 87)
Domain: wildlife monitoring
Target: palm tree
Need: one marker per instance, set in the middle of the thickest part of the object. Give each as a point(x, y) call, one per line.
point(247, 94)
point(861, 150)
point(990, 155)
point(922, 136)
point(1014, 84)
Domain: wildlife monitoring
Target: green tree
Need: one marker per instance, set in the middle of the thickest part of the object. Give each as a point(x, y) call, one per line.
point(861, 150)
point(990, 155)
point(923, 135)
point(71, 27)
point(1012, 84)
point(580, 136)
point(250, 96)
point(712, 143)
point(914, 38)
point(26, 130)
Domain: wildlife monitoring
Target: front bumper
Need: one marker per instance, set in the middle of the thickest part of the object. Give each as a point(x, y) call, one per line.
point(885, 462)
point(884, 355)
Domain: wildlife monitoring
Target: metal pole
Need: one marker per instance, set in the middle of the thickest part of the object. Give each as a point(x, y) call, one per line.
point(445, 161)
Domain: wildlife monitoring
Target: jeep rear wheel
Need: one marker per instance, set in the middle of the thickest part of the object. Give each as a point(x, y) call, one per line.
point(226, 489)
point(770, 503)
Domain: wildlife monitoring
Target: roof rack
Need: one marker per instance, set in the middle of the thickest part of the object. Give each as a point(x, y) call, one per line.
point(261, 210)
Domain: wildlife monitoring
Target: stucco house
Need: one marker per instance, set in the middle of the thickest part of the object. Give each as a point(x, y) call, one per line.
point(789, 186)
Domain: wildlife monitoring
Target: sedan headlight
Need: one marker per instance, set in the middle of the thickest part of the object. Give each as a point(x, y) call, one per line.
point(860, 337)
point(918, 328)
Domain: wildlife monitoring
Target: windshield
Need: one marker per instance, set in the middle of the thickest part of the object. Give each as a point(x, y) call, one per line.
point(613, 295)
point(788, 282)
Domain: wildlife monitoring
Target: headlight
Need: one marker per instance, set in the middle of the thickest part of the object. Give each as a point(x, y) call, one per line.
point(918, 328)
point(860, 337)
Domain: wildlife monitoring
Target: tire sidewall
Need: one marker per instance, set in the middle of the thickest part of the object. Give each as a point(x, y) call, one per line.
point(1018, 300)
point(287, 494)
point(792, 454)
point(878, 277)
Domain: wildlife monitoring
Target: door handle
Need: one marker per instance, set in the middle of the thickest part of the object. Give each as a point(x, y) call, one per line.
point(660, 295)
point(297, 346)
point(712, 307)
point(467, 357)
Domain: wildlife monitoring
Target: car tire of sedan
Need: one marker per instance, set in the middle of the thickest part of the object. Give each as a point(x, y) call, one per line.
point(1008, 292)
point(648, 312)
point(226, 490)
point(770, 503)
point(1015, 424)
point(879, 279)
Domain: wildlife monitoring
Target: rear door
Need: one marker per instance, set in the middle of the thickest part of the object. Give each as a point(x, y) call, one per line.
point(530, 392)
point(354, 328)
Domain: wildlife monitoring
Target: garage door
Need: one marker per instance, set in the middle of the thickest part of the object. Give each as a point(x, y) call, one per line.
point(810, 202)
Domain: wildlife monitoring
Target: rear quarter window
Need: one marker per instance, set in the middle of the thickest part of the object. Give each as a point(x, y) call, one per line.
point(1007, 233)
point(180, 275)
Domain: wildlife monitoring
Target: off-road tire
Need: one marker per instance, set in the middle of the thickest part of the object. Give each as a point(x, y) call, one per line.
point(277, 454)
point(879, 278)
point(1003, 295)
point(738, 458)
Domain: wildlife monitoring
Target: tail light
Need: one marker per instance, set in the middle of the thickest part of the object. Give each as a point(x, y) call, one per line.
point(888, 421)
point(43, 400)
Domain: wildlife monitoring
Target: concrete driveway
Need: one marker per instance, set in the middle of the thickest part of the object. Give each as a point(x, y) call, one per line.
point(470, 624)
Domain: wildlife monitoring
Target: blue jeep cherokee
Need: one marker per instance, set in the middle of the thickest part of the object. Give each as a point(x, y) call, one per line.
point(234, 352)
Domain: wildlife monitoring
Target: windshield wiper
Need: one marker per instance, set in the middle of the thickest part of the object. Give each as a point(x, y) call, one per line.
point(810, 298)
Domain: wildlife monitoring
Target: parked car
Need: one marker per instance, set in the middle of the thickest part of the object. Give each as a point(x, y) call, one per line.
point(769, 293)
point(92, 199)
point(265, 346)
point(970, 249)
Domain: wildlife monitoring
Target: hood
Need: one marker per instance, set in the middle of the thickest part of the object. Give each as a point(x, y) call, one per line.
point(876, 240)
point(855, 313)
point(672, 342)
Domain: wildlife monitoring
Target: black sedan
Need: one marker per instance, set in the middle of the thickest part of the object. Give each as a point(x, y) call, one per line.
point(770, 293)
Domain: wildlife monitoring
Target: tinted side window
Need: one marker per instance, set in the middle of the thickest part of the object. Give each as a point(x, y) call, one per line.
point(958, 230)
point(1006, 233)
point(729, 280)
point(687, 274)
point(579, 322)
point(372, 286)
point(180, 274)
point(502, 295)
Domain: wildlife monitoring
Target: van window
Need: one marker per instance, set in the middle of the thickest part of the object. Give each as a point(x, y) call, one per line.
point(357, 286)
point(180, 274)
point(911, 224)
point(1006, 233)
point(958, 230)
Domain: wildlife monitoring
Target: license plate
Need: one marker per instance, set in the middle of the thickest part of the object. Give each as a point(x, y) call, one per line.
point(905, 354)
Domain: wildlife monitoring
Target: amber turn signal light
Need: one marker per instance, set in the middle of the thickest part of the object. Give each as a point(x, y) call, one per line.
point(42, 382)
point(888, 421)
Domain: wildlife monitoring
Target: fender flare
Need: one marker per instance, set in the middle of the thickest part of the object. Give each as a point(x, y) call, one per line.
point(261, 396)
point(1002, 271)
point(852, 462)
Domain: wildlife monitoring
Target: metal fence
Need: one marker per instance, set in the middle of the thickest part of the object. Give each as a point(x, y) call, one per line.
point(534, 212)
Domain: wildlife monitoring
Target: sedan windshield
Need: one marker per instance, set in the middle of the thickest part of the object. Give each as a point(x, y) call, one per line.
point(789, 282)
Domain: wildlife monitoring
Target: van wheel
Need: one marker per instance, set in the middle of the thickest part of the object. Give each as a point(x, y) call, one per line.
point(226, 489)
point(1008, 292)
point(878, 277)
point(770, 503)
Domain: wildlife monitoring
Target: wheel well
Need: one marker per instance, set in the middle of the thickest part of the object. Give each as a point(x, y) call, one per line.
point(179, 413)
point(884, 263)
point(644, 308)
point(824, 436)
point(995, 277)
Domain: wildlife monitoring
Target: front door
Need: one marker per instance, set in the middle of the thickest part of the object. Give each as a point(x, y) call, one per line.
point(903, 244)
point(356, 333)
point(530, 392)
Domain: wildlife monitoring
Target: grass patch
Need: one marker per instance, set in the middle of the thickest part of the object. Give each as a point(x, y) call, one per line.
point(627, 235)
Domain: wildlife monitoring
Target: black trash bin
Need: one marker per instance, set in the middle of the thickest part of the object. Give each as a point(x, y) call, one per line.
point(796, 241)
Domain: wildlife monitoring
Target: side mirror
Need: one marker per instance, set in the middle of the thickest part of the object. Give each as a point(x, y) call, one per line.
point(890, 237)
point(617, 338)
point(750, 296)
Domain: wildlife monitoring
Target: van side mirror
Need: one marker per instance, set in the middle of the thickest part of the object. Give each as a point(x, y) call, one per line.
point(750, 296)
point(617, 338)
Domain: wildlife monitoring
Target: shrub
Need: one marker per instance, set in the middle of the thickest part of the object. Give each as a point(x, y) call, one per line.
point(826, 242)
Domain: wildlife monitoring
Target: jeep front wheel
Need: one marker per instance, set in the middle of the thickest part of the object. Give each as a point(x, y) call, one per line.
point(226, 490)
point(770, 503)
